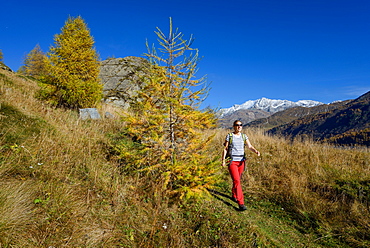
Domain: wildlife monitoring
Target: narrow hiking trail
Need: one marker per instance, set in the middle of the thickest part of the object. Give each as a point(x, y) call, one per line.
point(271, 227)
point(277, 231)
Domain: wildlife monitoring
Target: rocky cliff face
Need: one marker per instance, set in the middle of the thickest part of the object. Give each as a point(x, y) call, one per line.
point(120, 77)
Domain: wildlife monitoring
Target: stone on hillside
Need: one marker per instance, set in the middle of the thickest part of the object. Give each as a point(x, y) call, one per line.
point(108, 115)
point(4, 67)
point(89, 113)
point(120, 78)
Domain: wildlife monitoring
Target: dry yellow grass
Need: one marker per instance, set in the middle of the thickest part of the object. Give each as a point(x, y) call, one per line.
point(322, 185)
point(318, 182)
point(64, 169)
point(59, 188)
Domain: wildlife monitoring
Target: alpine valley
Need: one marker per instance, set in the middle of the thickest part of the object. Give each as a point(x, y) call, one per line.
point(341, 123)
point(258, 109)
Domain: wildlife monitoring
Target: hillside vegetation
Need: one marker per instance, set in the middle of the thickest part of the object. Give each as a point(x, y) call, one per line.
point(61, 186)
point(291, 114)
point(347, 124)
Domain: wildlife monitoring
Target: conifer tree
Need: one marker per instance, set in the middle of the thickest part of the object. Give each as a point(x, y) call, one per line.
point(165, 119)
point(73, 68)
point(1, 56)
point(34, 63)
point(180, 62)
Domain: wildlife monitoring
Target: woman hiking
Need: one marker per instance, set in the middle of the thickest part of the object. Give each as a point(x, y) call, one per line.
point(234, 149)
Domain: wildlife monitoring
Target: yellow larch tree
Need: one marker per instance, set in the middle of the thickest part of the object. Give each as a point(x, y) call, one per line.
point(168, 126)
point(34, 63)
point(73, 69)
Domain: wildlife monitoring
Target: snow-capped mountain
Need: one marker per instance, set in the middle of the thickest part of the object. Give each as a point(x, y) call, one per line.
point(269, 105)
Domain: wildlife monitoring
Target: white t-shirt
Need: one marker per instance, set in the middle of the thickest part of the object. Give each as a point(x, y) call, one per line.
point(237, 147)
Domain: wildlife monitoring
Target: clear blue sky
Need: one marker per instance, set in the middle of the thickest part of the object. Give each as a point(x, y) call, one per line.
point(279, 49)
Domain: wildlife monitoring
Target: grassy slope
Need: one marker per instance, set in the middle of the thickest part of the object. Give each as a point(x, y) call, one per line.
point(58, 188)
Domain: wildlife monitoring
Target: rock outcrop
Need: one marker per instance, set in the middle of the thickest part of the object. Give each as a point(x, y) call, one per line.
point(89, 113)
point(120, 77)
point(4, 67)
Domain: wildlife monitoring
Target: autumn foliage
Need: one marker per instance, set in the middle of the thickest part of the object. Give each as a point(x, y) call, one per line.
point(166, 125)
point(35, 63)
point(73, 68)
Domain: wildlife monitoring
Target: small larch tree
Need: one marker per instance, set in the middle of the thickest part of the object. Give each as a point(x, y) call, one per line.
point(72, 78)
point(166, 121)
point(180, 62)
point(34, 63)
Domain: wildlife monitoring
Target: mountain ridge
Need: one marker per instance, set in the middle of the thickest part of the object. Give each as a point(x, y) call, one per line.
point(346, 125)
point(288, 115)
point(268, 105)
point(261, 108)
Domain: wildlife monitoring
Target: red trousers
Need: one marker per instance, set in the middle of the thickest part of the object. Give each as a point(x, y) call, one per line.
point(236, 169)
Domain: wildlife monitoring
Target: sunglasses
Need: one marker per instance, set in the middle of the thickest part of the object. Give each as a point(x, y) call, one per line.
point(238, 125)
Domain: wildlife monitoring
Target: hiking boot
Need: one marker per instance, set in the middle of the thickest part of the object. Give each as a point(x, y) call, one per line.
point(242, 207)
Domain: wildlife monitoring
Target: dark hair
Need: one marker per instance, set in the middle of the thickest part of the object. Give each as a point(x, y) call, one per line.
point(236, 122)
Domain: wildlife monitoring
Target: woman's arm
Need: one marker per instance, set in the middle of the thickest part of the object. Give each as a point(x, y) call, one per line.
point(224, 152)
point(250, 147)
